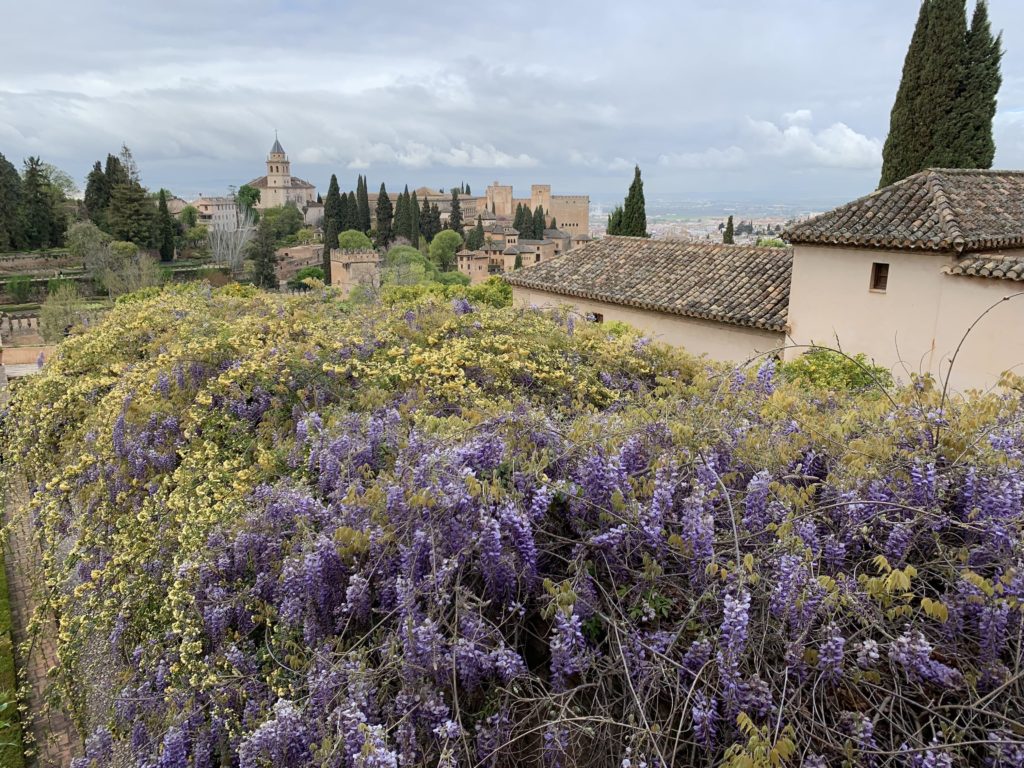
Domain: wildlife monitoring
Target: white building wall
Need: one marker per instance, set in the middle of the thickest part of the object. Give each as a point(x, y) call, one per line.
point(915, 325)
point(719, 341)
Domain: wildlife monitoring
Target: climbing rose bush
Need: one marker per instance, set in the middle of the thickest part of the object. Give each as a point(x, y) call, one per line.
point(279, 532)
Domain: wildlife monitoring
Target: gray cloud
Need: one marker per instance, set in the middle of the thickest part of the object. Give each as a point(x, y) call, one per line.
point(782, 100)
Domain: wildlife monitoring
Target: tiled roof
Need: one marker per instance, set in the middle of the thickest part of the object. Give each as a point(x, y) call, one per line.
point(550, 233)
point(742, 285)
point(989, 265)
point(296, 183)
point(939, 210)
point(277, 148)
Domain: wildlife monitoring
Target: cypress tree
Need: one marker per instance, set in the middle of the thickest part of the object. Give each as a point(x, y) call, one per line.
point(475, 238)
point(401, 226)
point(425, 220)
point(414, 221)
point(385, 216)
point(554, 224)
point(363, 201)
point(455, 220)
point(333, 211)
point(519, 261)
point(115, 172)
point(728, 236)
point(435, 220)
point(165, 229)
point(634, 213)
point(903, 153)
point(345, 213)
point(538, 223)
point(10, 205)
point(468, 192)
point(945, 67)
point(615, 221)
point(353, 206)
point(264, 259)
point(976, 99)
point(517, 222)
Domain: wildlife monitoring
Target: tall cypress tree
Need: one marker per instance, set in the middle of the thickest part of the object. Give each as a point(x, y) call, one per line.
point(475, 238)
point(10, 205)
point(345, 213)
point(332, 224)
point(401, 225)
point(518, 221)
point(435, 220)
point(353, 207)
point(943, 113)
point(264, 257)
point(728, 237)
point(976, 99)
point(615, 221)
point(363, 201)
point(945, 65)
point(165, 228)
point(425, 220)
point(634, 212)
point(538, 223)
point(455, 220)
point(385, 216)
point(414, 221)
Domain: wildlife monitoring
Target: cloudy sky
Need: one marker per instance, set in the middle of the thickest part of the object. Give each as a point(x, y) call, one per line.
point(771, 101)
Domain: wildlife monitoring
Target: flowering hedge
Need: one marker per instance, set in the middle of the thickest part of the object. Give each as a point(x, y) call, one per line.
point(278, 532)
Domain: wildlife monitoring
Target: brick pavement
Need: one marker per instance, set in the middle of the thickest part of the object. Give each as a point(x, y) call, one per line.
point(56, 739)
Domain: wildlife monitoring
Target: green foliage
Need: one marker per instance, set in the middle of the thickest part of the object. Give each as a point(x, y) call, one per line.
point(494, 292)
point(634, 212)
point(262, 253)
point(19, 287)
point(189, 216)
point(97, 194)
point(167, 229)
point(943, 111)
point(10, 204)
point(615, 221)
point(247, 198)
point(405, 265)
point(455, 219)
point(11, 747)
point(385, 217)
point(538, 223)
point(452, 278)
point(728, 236)
point(63, 309)
point(354, 240)
point(42, 220)
point(132, 215)
point(414, 221)
point(306, 273)
point(475, 238)
point(830, 370)
point(770, 242)
point(283, 220)
point(443, 249)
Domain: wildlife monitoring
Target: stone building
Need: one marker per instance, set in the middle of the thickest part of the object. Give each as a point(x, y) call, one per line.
point(217, 212)
point(279, 187)
point(727, 302)
point(353, 269)
point(902, 274)
point(475, 265)
point(291, 259)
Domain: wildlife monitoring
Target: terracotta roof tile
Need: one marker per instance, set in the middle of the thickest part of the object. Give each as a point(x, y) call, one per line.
point(992, 265)
point(957, 210)
point(741, 285)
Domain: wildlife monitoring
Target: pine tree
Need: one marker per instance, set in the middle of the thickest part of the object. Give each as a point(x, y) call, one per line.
point(538, 223)
point(115, 172)
point(475, 238)
point(455, 219)
point(385, 214)
point(976, 98)
point(634, 213)
point(728, 237)
point(363, 200)
point(40, 216)
point(132, 215)
point(414, 221)
point(10, 205)
point(166, 228)
point(264, 258)
point(97, 195)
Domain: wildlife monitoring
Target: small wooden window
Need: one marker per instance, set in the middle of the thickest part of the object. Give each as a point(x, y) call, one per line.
point(879, 276)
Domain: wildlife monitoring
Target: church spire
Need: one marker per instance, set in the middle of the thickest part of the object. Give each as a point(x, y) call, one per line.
point(277, 149)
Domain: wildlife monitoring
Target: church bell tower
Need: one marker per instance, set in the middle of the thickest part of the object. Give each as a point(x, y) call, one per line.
point(279, 171)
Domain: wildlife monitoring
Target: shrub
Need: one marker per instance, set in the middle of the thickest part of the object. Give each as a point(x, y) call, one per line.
point(315, 273)
point(62, 311)
point(354, 240)
point(282, 531)
point(829, 369)
point(770, 242)
point(19, 287)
